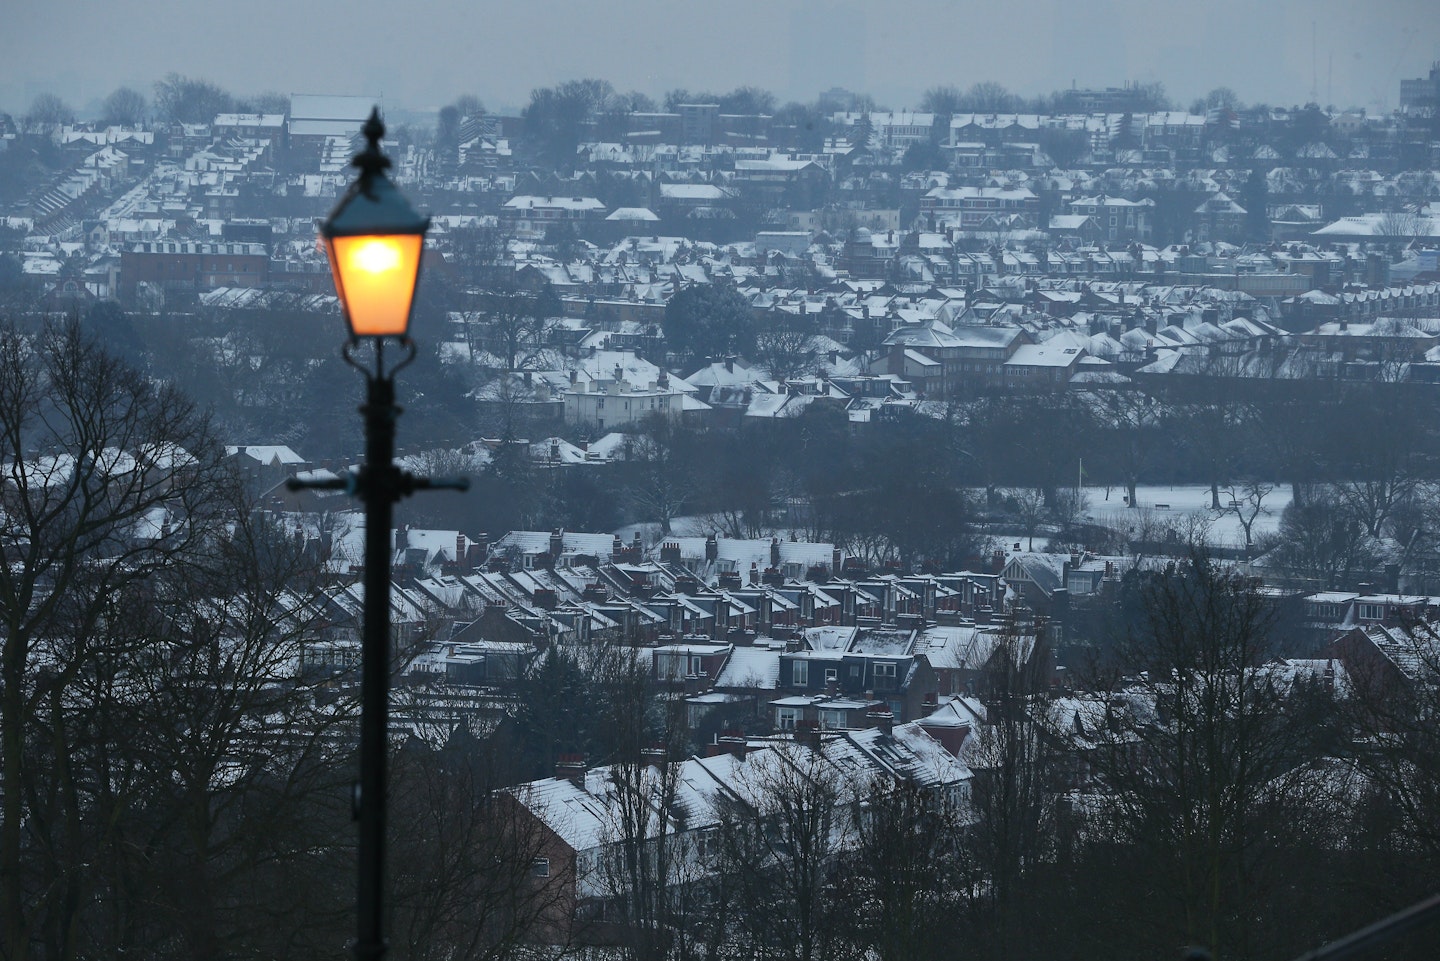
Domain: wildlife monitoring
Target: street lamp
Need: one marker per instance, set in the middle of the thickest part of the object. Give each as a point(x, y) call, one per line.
point(374, 240)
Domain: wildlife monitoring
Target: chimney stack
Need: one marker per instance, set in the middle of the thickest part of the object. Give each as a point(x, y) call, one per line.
point(884, 720)
point(571, 767)
point(733, 742)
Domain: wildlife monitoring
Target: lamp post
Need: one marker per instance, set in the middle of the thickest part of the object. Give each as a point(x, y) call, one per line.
point(373, 239)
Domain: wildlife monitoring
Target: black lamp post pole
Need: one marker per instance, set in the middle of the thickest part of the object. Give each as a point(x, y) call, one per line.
point(379, 484)
point(379, 489)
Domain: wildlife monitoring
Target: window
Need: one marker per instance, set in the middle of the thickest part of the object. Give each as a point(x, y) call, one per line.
point(1372, 612)
point(785, 718)
point(540, 867)
point(832, 674)
point(832, 720)
point(799, 673)
point(885, 669)
point(695, 666)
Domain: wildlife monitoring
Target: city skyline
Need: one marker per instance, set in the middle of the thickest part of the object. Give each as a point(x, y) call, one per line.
point(1284, 52)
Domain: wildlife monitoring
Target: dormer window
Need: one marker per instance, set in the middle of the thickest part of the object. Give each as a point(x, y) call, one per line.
point(799, 673)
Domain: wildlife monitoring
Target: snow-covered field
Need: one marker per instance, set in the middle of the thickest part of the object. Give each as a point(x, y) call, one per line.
point(1159, 507)
point(1168, 505)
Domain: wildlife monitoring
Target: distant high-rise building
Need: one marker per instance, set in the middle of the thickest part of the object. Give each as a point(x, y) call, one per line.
point(316, 120)
point(1421, 93)
point(698, 122)
point(1126, 99)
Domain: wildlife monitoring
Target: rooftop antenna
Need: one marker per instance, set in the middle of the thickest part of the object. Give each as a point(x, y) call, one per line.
point(1314, 94)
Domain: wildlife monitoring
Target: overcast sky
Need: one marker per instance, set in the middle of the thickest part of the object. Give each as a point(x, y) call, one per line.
point(424, 53)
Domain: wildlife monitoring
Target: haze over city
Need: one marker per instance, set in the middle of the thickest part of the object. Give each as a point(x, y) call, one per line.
point(895, 482)
point(422, 54)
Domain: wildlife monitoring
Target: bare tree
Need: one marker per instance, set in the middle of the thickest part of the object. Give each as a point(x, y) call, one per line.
point(987, 96)
point(781, 840)
point(513, 323)
point(1031, 510)
point(660, 485)
point(465, 880)
point(47, 109)
point(1136, 418)
point(785, 347)
point(126, 106)
point(1323, 543)
point(190, 100)
point(1400, 224)
point(1195, 750)
point(1013, 795)
point(232, 765)
point(1247, 503)
point(943, 99)
point(107, 480)
point(911, 866)
point(1389, 719)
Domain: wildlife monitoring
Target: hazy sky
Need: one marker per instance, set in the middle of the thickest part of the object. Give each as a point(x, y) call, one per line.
point(424, 53)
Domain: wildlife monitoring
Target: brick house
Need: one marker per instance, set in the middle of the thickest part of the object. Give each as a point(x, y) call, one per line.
point(172, 265)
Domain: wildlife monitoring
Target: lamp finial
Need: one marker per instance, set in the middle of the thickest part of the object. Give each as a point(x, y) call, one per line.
point(371, 161)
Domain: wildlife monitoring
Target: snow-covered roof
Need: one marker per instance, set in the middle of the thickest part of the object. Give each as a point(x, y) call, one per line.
point(267, 454)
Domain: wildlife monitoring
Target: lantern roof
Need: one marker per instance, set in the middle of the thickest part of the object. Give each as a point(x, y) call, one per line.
point(373, 204)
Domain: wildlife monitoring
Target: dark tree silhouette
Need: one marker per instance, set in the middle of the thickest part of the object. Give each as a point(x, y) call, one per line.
point(709, 321)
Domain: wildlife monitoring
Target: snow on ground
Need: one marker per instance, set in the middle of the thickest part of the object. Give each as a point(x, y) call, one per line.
point(1161, 505)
